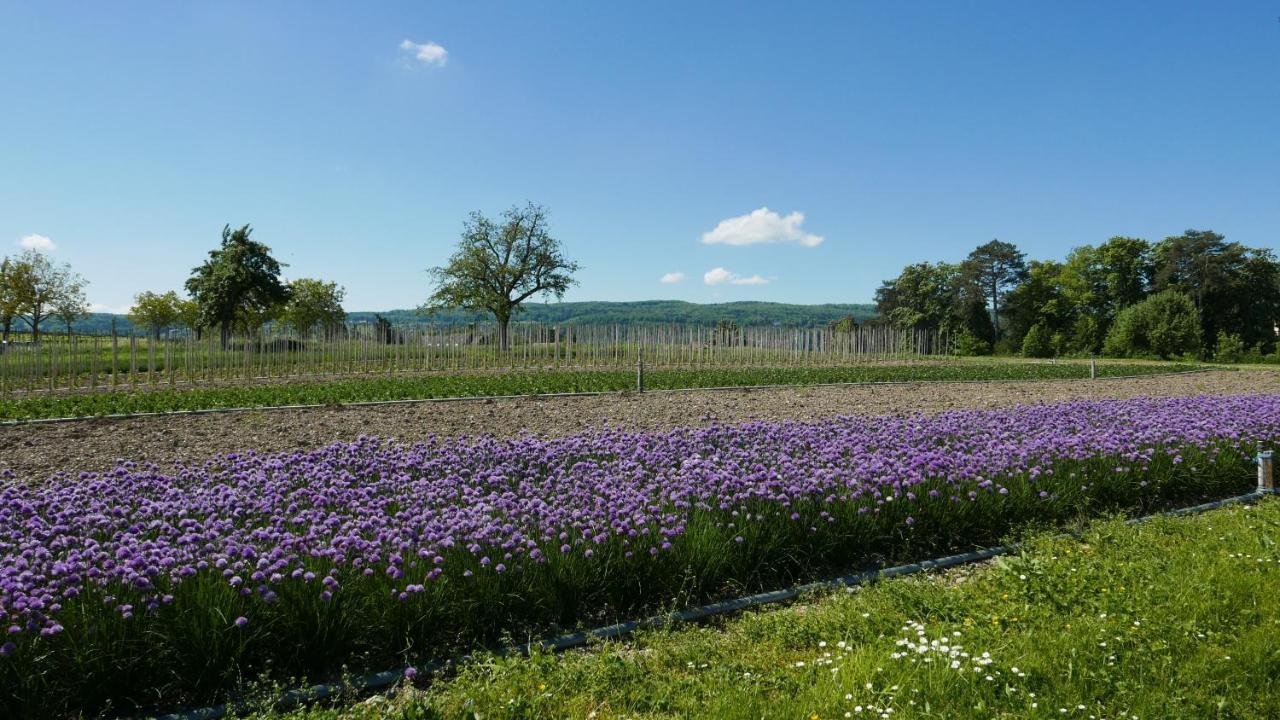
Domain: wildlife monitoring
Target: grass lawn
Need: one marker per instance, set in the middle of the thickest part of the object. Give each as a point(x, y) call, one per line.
point(1176, 618)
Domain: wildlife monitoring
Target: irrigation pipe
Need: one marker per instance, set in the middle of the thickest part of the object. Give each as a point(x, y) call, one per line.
point(583, 394)
point(388, 678)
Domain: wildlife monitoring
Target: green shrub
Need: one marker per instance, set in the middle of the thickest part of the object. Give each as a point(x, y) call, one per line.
point(1230, 348)
point(1037, 343)
point(969, 345)
point(1164, 325)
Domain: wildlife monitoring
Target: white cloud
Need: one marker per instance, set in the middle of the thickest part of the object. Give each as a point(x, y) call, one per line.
point(672, 278)
point(427, 53)
point(37, 242)
point(720, 276)
point(761, 226)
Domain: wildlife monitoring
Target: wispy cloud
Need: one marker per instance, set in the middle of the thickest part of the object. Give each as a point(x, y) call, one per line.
point(37, 242)
point(672, 278)
point(762, 226)
point(427, 53)
point(720, 276)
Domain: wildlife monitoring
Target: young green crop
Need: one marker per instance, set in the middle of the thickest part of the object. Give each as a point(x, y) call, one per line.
point(31, 407)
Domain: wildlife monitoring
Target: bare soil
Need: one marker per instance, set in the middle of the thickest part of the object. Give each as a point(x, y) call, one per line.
point(38, 450)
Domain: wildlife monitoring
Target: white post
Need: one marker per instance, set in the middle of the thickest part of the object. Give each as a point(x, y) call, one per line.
point(1093, 369)
point(1265, 480)
point(640, 370)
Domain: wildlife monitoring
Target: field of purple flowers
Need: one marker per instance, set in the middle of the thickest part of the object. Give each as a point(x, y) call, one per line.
point(150, 586)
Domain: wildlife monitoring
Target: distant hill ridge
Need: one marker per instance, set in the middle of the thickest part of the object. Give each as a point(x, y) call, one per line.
point(744, 313)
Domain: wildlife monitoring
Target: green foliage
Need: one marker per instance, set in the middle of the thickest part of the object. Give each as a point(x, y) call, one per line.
point(155, 312)
point(970, 345)
point(35, 289)
point(1234, 288)
point(188, 314)
point(1229, 348)
point(314, 304)
point(937, 297)
point(530, 383)
point(846, 324)
point(1079, 302)
point(498, 266)
point(1165, 325)
point(1038, 343)
point(10, 298)
point(239, 285)
point(993, 268)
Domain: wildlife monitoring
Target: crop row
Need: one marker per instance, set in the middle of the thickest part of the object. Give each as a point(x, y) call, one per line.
point(30, 407)
point(146, 584)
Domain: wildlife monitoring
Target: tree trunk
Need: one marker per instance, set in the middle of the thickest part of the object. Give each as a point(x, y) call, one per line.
point(225, 329)
point(8, 327)
point(504, 325)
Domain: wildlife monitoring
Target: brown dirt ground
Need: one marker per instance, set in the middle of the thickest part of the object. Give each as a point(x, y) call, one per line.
point(38, 450)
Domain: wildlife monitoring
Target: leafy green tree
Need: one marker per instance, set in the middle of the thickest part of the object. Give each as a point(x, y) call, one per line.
point(994, 267)
point(938, 297)
point(239, 284)
point(1041, 300)
point(846, 324)
point(41, 287)
point(71, 304)
point(500, 265)
point(10, 297)
point(727, 332)
point(314, 304)
point(1038, 342)
point(1230, 348)
point(155, 311)
point(1098, 282)
point(1165, 324)
point(188, 315)
point(1235, 288)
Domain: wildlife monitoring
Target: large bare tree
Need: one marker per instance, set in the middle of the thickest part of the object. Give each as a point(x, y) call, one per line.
point(499, 265)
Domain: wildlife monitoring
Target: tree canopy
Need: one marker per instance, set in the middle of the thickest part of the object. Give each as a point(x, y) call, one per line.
point(156, 312)
point(1078, 306)
point(500, 264)
point(36, 288)
point(314, 304)
point(994, 267)
point(239, 285)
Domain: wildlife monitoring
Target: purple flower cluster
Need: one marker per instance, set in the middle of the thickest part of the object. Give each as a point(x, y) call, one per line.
point(477, 506)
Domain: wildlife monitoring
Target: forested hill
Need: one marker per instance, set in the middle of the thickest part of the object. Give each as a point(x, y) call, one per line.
point(621, 313)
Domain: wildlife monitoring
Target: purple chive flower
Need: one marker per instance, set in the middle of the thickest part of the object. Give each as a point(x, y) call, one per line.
point(410, 673)
point(365, 507)
point(241, 621)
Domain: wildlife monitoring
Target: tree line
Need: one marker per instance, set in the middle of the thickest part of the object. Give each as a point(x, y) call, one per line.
point(1189, 294)
point(239, 288)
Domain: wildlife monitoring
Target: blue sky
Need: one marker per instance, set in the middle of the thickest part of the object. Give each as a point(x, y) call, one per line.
point(131, 132)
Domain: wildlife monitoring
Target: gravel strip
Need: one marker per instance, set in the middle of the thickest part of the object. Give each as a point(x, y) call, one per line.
point(34, 451)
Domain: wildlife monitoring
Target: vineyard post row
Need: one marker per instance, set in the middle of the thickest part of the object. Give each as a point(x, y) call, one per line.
point(90, 361)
